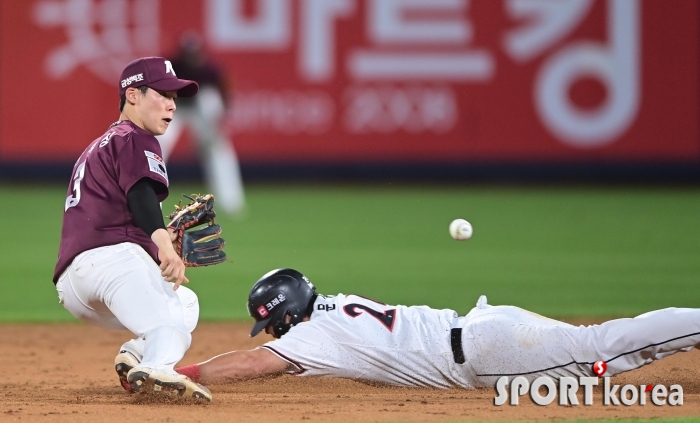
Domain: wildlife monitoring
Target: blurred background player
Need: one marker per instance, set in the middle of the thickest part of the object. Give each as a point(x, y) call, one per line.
point(203, 115)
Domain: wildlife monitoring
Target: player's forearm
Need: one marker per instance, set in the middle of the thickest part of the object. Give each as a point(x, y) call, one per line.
point(235, 366)
point(172, 268)
point(230, 367)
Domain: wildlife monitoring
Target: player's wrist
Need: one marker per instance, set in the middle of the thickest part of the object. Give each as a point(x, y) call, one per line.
point(192, 371)
point(161, 238)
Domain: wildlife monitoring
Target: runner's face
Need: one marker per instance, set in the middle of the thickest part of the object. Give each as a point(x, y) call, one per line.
point(269, 329)
point(155, 110)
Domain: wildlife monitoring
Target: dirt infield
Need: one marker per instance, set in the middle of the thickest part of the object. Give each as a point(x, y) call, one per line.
point(64, 373)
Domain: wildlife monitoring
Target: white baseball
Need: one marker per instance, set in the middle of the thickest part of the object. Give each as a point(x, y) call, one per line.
point(460, 229)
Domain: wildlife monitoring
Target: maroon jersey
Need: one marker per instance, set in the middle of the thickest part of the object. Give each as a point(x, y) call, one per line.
point(96, 213)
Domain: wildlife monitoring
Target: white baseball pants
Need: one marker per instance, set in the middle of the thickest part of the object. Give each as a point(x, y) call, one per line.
point(509, 341)
point(120, 287)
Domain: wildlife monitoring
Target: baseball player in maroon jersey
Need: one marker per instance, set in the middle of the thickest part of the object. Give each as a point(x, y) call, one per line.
point(117, 267)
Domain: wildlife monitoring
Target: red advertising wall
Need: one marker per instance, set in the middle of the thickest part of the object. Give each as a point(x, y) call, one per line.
point(373, 80)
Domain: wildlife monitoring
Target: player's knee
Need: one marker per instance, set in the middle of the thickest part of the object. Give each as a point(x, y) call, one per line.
point(190, 307)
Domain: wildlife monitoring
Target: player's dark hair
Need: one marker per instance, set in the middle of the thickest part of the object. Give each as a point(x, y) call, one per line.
point(122, 101)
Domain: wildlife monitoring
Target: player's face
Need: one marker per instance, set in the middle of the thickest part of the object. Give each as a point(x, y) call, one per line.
point(269, 329)
point(155, 110)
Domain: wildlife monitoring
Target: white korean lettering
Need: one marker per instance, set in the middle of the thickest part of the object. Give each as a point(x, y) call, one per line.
point(229, 28)
point(100, 36)
point(317, 36)
point(547, 23)
point(287, 112)
point(130, 80)
point(616, 65)
point(387, 23)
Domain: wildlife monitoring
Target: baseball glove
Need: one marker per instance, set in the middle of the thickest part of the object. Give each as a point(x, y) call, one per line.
point(202, 246)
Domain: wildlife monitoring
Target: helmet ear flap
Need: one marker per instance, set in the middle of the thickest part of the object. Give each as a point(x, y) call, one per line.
point(283, 325)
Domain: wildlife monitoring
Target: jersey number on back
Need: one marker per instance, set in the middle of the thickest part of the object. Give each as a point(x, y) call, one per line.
point(385, 317)
point(73, 200)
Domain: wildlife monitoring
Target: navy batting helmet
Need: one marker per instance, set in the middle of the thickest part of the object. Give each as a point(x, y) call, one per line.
point(278, 294)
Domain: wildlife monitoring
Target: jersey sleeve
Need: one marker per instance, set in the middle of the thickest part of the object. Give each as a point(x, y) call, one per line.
point(313, 353)
point(140, 157)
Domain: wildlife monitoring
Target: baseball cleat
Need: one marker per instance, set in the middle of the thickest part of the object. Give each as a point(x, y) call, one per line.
point(123, 363)
point(164, 382)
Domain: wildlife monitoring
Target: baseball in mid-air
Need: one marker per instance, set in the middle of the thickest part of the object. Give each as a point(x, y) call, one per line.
point(461, 230)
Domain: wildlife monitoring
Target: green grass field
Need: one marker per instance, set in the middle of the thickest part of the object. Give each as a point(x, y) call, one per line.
point(562, 252)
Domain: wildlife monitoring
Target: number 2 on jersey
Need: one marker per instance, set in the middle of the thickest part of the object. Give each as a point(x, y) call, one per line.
point(385, 317)
point(72, 200)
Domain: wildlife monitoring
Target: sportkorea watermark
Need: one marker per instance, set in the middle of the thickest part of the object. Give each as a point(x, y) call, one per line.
point(509, 391)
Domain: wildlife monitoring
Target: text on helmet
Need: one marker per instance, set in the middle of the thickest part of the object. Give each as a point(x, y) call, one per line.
point(275, 302)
